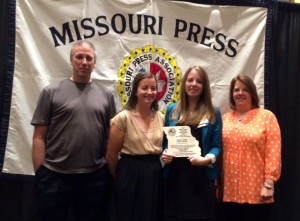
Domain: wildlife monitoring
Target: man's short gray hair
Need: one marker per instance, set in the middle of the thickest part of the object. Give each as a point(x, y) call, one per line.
point(81, 42)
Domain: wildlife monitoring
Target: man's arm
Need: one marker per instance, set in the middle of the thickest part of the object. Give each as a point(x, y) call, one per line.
point(39, 146)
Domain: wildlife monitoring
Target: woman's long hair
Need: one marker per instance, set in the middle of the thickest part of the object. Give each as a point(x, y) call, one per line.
point(204, 108)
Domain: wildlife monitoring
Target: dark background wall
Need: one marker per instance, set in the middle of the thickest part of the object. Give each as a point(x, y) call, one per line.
point(282, 96)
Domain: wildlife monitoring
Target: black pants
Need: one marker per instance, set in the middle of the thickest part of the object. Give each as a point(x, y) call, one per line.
point(246, 212)
point(85, 195)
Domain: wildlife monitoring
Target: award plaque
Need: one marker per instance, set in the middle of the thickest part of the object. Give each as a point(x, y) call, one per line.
point(181, 142)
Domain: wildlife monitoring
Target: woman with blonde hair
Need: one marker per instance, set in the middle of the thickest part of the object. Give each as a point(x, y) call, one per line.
point(190, 191)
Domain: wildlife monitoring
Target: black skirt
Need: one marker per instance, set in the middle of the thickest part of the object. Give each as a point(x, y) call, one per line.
point(188, 193)
point(138, 189)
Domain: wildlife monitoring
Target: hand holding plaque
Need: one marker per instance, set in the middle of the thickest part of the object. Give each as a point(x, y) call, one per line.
point(181, 142)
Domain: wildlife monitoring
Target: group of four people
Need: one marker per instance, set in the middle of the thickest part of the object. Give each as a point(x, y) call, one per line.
point(77, 131)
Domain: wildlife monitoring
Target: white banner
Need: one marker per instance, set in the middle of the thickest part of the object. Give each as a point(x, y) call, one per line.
point(160, 36)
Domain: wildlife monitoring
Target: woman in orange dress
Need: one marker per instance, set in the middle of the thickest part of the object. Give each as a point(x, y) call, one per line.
point(251, 154)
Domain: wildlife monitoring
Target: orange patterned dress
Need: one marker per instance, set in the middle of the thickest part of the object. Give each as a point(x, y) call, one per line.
point(251, 154)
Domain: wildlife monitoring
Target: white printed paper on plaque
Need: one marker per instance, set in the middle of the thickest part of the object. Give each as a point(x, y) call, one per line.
point(181, 143)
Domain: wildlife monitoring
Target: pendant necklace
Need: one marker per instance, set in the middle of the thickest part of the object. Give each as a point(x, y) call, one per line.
point(240, 117)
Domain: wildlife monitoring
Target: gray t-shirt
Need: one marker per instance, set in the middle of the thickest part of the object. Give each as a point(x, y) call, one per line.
point(78, 117)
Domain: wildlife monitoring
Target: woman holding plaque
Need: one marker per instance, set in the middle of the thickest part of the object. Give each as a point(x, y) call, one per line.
point(190, 182)
point(251, 156)
point(136, 135)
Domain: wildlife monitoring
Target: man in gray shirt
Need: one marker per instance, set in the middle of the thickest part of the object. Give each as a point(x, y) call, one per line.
point(69, 143)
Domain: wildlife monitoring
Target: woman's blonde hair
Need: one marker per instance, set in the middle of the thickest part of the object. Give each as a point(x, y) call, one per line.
point(204, 108)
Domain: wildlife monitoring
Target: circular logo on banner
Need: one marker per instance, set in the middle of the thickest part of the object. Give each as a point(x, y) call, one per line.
point(156, 61)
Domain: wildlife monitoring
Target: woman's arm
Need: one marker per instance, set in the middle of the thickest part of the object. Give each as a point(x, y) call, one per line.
point(115, 144)
point(273, 149)
point(272, 156)
point(214, 142)
point(216, 137)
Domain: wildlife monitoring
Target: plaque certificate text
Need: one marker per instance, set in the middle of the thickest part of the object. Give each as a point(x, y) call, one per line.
point(181, 142)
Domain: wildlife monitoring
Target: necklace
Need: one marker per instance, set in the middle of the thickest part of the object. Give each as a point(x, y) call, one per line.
point(240, 117)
